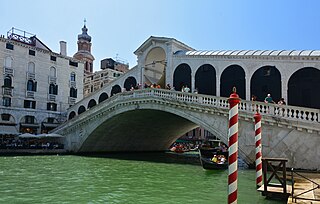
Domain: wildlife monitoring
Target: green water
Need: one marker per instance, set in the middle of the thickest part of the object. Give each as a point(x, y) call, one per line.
point(124, 178)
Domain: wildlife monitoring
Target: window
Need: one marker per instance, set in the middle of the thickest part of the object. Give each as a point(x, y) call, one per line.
point(29, 104)
point(75, 64)
point(53, 89)
point(9, 46)
point(8, 82)
point(5, 117)
point(6, 101)
point(31, 85)
point(53, 58)
point(53, 72)
point(50, 120)
point(52, 106)
point(72, 76)
point(29, 119)
point(32, 52)
point(31, 67)
point(73, 92)
point(8, 62)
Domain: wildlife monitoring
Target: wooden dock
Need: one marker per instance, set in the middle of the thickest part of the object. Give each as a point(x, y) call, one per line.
point(303, 193)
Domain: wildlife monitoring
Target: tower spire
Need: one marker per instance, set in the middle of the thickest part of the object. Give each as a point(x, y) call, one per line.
point(84, 22)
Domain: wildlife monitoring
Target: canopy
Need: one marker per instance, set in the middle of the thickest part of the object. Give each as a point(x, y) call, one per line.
point(52, 135)
point(8, 130)
point(28, 135)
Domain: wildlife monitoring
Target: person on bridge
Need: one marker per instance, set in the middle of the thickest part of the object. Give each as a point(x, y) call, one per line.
point(268, 99)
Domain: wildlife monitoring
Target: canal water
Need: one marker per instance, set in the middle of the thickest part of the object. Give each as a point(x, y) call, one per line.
point(148, 178)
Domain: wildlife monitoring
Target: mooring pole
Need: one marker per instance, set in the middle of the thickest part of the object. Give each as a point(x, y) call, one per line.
point(234, 100)
point(257, 128)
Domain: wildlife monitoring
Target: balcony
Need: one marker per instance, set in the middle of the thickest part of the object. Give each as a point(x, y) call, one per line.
point(52, 97)
point(72, 100)
point(31, 76)
point(72, 84)
point(52, 80)
point(7, 91)
point(8, 71)
point(30, 94)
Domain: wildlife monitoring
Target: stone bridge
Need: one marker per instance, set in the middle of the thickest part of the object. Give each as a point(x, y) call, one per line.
point(152, 119)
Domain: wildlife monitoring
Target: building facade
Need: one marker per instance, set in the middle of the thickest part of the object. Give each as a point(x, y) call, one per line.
point(110, 70)
point(37, 84)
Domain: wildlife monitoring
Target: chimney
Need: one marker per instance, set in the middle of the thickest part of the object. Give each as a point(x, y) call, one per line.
point(63, 48)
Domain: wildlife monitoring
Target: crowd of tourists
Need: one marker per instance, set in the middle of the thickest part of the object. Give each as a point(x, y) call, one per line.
point(27, 143)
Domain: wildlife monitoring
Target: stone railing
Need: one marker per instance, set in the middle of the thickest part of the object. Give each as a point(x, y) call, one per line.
point(283, 111)
point(293, 113)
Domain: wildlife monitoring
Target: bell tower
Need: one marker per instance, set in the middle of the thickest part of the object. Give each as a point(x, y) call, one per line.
point(84, 50)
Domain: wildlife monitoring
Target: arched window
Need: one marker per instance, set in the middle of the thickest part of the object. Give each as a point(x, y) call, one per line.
point(53, 89)
point(53, 72)
point(8, 62)
point(182, 77)
point(72, 76)
point(31, 67)
point(72, 115)
point(103, 96)
point(73, 92)
point(7, 81)
point(31, 85)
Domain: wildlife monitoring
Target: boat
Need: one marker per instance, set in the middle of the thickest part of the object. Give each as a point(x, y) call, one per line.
point(206, 155)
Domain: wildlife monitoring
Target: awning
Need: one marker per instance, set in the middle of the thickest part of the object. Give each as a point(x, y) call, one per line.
point(34, 125)
point(8, 130)
point(50, 125)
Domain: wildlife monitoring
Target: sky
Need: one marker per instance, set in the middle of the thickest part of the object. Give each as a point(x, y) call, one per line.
point(119, 27)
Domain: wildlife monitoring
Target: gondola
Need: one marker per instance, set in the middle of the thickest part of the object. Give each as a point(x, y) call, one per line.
point(206, 154)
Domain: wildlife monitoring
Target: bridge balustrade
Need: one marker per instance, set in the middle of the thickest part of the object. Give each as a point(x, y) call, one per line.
point(280, 111)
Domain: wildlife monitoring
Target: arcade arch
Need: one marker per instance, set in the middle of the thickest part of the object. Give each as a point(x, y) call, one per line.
point(205, 80)
point(303, 87)
point(266, 80)
point(233, 76)
point(182, 76)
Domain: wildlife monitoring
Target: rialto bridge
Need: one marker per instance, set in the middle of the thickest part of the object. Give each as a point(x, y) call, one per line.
point(151, 119)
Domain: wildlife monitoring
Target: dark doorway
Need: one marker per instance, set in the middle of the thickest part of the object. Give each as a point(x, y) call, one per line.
point(72, 115)
point(206, 80)
point(115, 89)
point(81, 110)
point(233, 76)
point(303, 88)
point(266, 80)
point(130, 82)
point(92, 103)
point(103, 96)
point(182, 77)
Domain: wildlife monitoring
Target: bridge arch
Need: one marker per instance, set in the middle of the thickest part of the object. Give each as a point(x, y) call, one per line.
point(103, 96)
point(266, 79)
point(303, 87)
point(115, 89)
point(233, 76)
point(81, 109)
point(130, 81)
point(155, 66)
point(72, 115)
point(205, 80)
point(92, 103)
point(108, 132)
point(182, 76)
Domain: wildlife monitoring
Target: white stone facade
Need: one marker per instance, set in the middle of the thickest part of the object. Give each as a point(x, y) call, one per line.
point(95, 81)
point(36, 65)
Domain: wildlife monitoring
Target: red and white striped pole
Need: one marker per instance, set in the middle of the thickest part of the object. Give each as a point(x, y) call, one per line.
point(257, 128)
point(234, 100)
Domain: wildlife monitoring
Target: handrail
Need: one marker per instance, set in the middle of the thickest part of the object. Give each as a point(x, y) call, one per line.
point(280, 111)
point(295, 197)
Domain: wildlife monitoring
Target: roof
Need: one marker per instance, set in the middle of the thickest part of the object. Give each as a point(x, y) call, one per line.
point(148, 43)
point(251, 53)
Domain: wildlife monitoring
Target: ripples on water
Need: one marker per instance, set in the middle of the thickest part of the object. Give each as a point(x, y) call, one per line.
point(118, 178)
